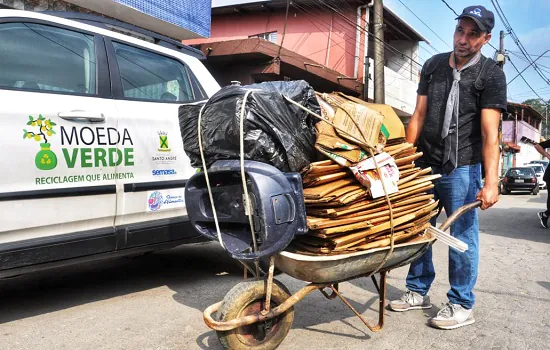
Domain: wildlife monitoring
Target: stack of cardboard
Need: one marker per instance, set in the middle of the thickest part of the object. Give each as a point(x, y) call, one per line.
point(343, 214)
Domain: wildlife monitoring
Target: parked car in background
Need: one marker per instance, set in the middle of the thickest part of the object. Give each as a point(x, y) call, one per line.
point(544, 163)
point(520, 179)
point(539, 172)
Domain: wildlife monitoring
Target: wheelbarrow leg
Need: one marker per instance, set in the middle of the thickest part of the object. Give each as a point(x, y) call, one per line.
point(375, 284)
point(381, 303)
point(382, 300)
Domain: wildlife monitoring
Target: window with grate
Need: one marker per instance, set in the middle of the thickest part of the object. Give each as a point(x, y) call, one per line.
point(269, 36)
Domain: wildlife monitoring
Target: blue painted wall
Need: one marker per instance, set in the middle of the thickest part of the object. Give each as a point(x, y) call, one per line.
point(193, 15)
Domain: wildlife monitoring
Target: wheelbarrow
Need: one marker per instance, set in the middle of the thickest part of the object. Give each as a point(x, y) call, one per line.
point(258, 314)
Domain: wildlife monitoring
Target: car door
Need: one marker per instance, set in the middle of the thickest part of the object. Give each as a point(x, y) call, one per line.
point(149, 87)
point(58, 191)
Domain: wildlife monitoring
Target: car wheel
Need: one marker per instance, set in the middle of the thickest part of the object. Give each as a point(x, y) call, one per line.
point(504, 191)
point(535, 191)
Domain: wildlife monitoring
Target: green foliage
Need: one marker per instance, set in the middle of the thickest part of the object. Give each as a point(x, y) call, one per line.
point(541, 107)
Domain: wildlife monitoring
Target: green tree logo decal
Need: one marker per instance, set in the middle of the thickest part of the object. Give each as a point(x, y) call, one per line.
point(45, 159)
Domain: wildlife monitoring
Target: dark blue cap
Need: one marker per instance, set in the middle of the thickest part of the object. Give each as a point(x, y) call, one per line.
point(484, 18)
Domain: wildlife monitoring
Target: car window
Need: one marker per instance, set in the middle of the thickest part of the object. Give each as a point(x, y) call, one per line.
point(150, 76)
point(520, 172)
point(538, 169)
point(199, 92)
point(543, 164)
point(44, 58)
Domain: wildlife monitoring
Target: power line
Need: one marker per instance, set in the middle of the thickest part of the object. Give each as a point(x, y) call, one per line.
point(386, 23)
point(522, 77)
point(544, 90)
point(544, 68)
point(427, 26)
point(391, 25)
point(325, 24)
point(317, 23)
point(532, 55)
point(301, 9)
point(524, 69)
point(386, 45)
point(284, 28)
point(450, 8)
point(528, 93)
point(371, 34)
point(512, 33)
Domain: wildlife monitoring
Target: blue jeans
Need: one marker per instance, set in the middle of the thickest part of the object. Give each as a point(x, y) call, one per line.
point(453, 191)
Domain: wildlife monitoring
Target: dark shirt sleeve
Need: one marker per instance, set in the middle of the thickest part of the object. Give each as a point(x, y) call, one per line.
point(494, 94)
point(545, 145)
point(423, 84)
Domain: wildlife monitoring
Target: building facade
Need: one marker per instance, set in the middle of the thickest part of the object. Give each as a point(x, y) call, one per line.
point(521, 125)
point(332, 34)
point(178, 19)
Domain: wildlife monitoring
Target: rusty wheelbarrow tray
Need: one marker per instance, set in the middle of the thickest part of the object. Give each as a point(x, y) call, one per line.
point(259, 314)
point(337, 268)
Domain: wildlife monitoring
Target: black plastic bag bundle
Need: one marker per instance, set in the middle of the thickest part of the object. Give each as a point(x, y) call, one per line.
point(276, 131)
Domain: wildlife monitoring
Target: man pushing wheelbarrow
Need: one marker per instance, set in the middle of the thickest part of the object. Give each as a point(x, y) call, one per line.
point(266, 198)
point(460, 97)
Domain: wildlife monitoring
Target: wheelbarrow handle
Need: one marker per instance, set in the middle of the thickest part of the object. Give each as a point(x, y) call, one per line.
point(458, 213)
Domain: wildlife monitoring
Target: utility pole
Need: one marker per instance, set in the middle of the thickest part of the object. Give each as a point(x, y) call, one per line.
point(546, 121)
point(501, 59)
point(379, 91)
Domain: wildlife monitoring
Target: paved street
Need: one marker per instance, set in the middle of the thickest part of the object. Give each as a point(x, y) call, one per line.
point(156, 301)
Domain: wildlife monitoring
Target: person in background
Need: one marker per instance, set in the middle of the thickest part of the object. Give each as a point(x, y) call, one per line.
point(455, 124)
point(543, 215)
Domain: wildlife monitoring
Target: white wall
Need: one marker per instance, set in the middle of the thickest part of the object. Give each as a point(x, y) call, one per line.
point(527, 154)
point(403, 65)
point(400, 92)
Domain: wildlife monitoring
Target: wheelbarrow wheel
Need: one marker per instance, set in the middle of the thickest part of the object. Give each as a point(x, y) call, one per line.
point(248, 298)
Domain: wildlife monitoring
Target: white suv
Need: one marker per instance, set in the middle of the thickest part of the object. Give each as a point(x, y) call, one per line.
point(539, 172)
point(93, 159)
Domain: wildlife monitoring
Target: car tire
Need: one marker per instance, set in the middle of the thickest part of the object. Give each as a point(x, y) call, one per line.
point(535, 191)
point(504, 191)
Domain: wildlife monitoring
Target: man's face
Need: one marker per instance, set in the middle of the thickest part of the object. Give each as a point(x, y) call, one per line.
point(468, 38)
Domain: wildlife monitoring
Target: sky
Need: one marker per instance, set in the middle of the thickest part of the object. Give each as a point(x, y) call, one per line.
point(528, 18)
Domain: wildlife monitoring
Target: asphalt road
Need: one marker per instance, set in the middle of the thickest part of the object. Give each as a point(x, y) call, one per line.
point(156, 301)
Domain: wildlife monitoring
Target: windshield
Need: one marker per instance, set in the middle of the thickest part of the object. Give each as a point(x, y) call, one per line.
point(520, 172)
point(538, 168)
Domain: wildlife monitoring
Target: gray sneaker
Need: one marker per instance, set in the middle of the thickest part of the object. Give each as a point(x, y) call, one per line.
point(452, 316)
point(410, 301)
